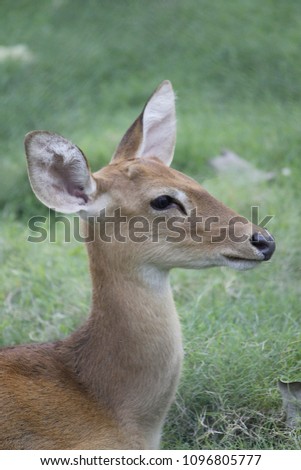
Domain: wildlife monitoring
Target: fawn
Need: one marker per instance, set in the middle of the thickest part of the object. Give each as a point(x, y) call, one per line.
point(109, 384)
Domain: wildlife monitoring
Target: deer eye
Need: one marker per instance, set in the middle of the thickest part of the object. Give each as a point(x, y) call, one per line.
point(165, 202)
point(162, 202)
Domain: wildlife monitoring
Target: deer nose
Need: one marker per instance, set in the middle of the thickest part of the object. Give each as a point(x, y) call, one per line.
point(266, 245)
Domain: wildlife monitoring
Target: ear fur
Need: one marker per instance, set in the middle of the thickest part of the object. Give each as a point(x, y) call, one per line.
point(58, 172)
point(153, 134)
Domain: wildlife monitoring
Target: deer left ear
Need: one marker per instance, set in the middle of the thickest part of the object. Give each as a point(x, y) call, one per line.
point(153, 134)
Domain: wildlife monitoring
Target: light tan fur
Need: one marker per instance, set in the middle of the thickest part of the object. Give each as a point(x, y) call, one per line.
point(109, 385)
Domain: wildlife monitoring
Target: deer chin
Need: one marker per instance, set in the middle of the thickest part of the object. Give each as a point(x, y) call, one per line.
point(240, 264)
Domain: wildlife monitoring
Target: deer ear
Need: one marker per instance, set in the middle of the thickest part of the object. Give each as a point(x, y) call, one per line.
point(58, 172)
point(153, 134)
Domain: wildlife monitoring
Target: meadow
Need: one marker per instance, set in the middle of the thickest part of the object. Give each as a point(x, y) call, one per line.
point(236, 69)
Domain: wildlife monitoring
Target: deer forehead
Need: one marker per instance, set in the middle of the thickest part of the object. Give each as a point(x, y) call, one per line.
point(148, 178)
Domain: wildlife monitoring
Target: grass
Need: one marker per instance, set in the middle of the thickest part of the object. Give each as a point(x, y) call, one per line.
point(235, 66)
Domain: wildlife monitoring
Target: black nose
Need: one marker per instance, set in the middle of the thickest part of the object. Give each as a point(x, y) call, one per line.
point(266, 245)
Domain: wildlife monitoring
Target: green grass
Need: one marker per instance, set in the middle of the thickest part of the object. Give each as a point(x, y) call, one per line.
point(236, 68)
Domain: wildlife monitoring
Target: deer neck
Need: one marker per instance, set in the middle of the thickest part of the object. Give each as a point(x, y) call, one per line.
point(130, 301)
point(129, 352)
point(123, 287)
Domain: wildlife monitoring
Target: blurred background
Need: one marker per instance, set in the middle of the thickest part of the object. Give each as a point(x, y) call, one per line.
point(84, 69)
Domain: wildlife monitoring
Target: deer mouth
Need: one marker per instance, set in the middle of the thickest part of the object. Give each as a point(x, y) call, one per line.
point(241, 264)
point(239, 258)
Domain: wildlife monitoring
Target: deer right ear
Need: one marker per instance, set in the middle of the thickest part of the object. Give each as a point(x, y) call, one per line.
point(58, 172)
point(153, 134)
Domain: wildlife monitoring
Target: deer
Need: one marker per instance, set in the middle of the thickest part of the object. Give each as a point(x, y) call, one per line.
point(110, 383)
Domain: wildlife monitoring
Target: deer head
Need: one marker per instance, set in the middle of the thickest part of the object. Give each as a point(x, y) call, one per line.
point(168, 219)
